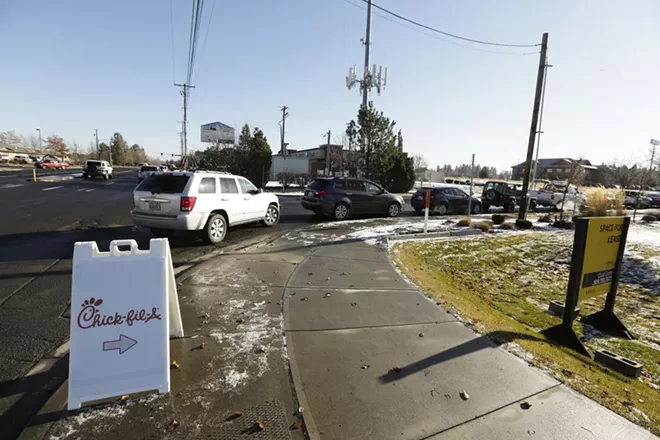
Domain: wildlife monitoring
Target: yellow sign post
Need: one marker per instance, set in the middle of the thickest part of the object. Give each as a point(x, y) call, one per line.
point(598, 249)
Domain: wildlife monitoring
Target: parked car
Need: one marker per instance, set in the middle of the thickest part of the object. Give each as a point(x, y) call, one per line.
point(504, 194)
point(140, 166)
point(343, 197)
point(21, 159)
point(98, 168)
point(552, 195)
point(146, 171)
point(635, 198)
point(4, 158)
point(52, 164)
point(655, 199)
point(445, 199)
point(205, 201)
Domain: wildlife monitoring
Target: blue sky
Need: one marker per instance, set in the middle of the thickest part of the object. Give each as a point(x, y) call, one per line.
point(70, 66)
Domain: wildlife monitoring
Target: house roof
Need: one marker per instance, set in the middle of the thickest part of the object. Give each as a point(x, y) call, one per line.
point(561, 161)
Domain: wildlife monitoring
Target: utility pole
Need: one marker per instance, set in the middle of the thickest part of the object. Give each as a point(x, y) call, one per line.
point(366, 80)
point(185, 117)
point(39, 130)
point(283, 130)
point(96, 136)
point(540, 131)
point(522, 214)
point(471, 187)
point(328, 154)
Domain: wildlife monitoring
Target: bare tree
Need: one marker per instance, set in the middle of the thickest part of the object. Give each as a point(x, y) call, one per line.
point(624, 173)
point(420, 164)
point(576, 175)
point(9, 139)
point(30, 144)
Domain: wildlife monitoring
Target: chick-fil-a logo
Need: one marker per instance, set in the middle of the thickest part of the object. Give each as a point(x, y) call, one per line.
point(90, 316)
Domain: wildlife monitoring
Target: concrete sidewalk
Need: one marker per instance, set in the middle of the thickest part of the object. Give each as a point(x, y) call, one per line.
point(373, 358)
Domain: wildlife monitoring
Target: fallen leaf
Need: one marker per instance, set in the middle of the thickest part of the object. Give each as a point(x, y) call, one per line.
point(464, 395)
point(296, 425)
point(199, 347)
point(304, 298)
point(567, 373)
point(300, 409)
point(261, 425)
point(396, 369)
point(354, 304)
point(327, 295)
point(365, 366)
point(124, 398)
point(174, 365)
point(238, 413)
point(525, 405)
point(310, 273)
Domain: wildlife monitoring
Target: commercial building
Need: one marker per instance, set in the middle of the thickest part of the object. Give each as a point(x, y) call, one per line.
point(558, 169)
point(324, 160)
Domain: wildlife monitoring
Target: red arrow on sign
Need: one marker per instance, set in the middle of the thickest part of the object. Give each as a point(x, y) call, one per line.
point(122, 344)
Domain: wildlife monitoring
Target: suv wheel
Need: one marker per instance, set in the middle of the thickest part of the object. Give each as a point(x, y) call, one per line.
point(272, 215)
point(216, 228)
point(490, 194)
point(532, 205)
point(509, 206)
point(105, 177)
point(441, 209)
point(112, 176)
point(342, 211)
point(394, 210)
point(85, 176)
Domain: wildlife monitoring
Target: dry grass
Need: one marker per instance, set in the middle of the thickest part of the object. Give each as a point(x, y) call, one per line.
point(508, 226)
point(504, 283)
point(483, 226)
point(465, 221)
point(601, 201)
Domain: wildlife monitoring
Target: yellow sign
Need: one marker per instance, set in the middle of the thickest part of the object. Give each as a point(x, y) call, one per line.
point(600, 255)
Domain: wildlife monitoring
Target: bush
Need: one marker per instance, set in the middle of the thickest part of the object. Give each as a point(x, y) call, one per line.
point(465, 221)
point(649, 218)
point(498, 219)
point(508, 226)
point(483, 226)
point(545, 219)
point(523, 224)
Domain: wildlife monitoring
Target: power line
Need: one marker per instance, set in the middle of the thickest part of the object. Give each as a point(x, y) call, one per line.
point(208, 28)
point(437, 37)
point(195, 21)
point(432, 29)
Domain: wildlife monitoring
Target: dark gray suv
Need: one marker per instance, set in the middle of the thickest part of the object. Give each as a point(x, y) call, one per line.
point(342, 197)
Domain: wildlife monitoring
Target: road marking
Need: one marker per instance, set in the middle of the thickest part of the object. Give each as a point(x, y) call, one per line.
point(10, 185)
point(89, 190)
point(52, 188)
point(81, 189)
point(111, 183)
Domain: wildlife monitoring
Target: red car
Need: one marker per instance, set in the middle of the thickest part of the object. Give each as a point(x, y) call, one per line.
point(51, 164)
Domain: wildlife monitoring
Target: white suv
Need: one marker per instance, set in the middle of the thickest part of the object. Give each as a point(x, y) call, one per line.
point(205, 201)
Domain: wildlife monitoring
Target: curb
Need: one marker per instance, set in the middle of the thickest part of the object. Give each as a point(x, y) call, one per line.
point(439, 234)
point(57, 178)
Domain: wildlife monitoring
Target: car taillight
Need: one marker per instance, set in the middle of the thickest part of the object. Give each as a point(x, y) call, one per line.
point(321, 192)
point(187, 203)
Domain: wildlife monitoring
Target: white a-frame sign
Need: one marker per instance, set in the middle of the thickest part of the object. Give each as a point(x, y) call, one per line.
point(124, 308)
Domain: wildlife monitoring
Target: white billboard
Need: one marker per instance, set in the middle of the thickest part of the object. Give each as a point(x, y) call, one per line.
point(218, 133)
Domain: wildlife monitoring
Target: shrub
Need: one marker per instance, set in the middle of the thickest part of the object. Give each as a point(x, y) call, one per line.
point(545, 219)
point(598, 203)
point(483, 226)
point(498, 219)
point(465, 221)
point(508, 226)
point(649, 218)
point(523, 224)
point(618, 199)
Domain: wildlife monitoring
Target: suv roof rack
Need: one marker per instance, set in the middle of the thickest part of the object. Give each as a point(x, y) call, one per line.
point(199, 170)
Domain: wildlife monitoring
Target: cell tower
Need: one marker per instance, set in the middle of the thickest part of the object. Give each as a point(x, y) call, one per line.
point(372, 79)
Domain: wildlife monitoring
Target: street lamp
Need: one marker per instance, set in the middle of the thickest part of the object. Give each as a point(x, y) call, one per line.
point(39, 130)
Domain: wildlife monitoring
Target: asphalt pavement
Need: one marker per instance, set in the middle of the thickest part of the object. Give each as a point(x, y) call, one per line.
point(38, 227)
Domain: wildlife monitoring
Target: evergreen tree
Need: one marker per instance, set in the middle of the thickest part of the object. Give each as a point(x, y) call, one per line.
point(259, 158)
point(484, 173)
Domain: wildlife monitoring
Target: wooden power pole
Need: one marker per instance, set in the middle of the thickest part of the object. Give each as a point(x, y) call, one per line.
point(522, 214)
point(185, 118)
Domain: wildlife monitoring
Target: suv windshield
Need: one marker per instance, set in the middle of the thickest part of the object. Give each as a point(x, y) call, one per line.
point(163, 183)
point(149, 168)
point(93, 163)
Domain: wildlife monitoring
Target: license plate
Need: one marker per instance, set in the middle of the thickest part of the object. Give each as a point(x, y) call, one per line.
point(154, 206)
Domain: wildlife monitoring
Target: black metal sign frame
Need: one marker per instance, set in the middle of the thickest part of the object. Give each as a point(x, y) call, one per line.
point(604, 320)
